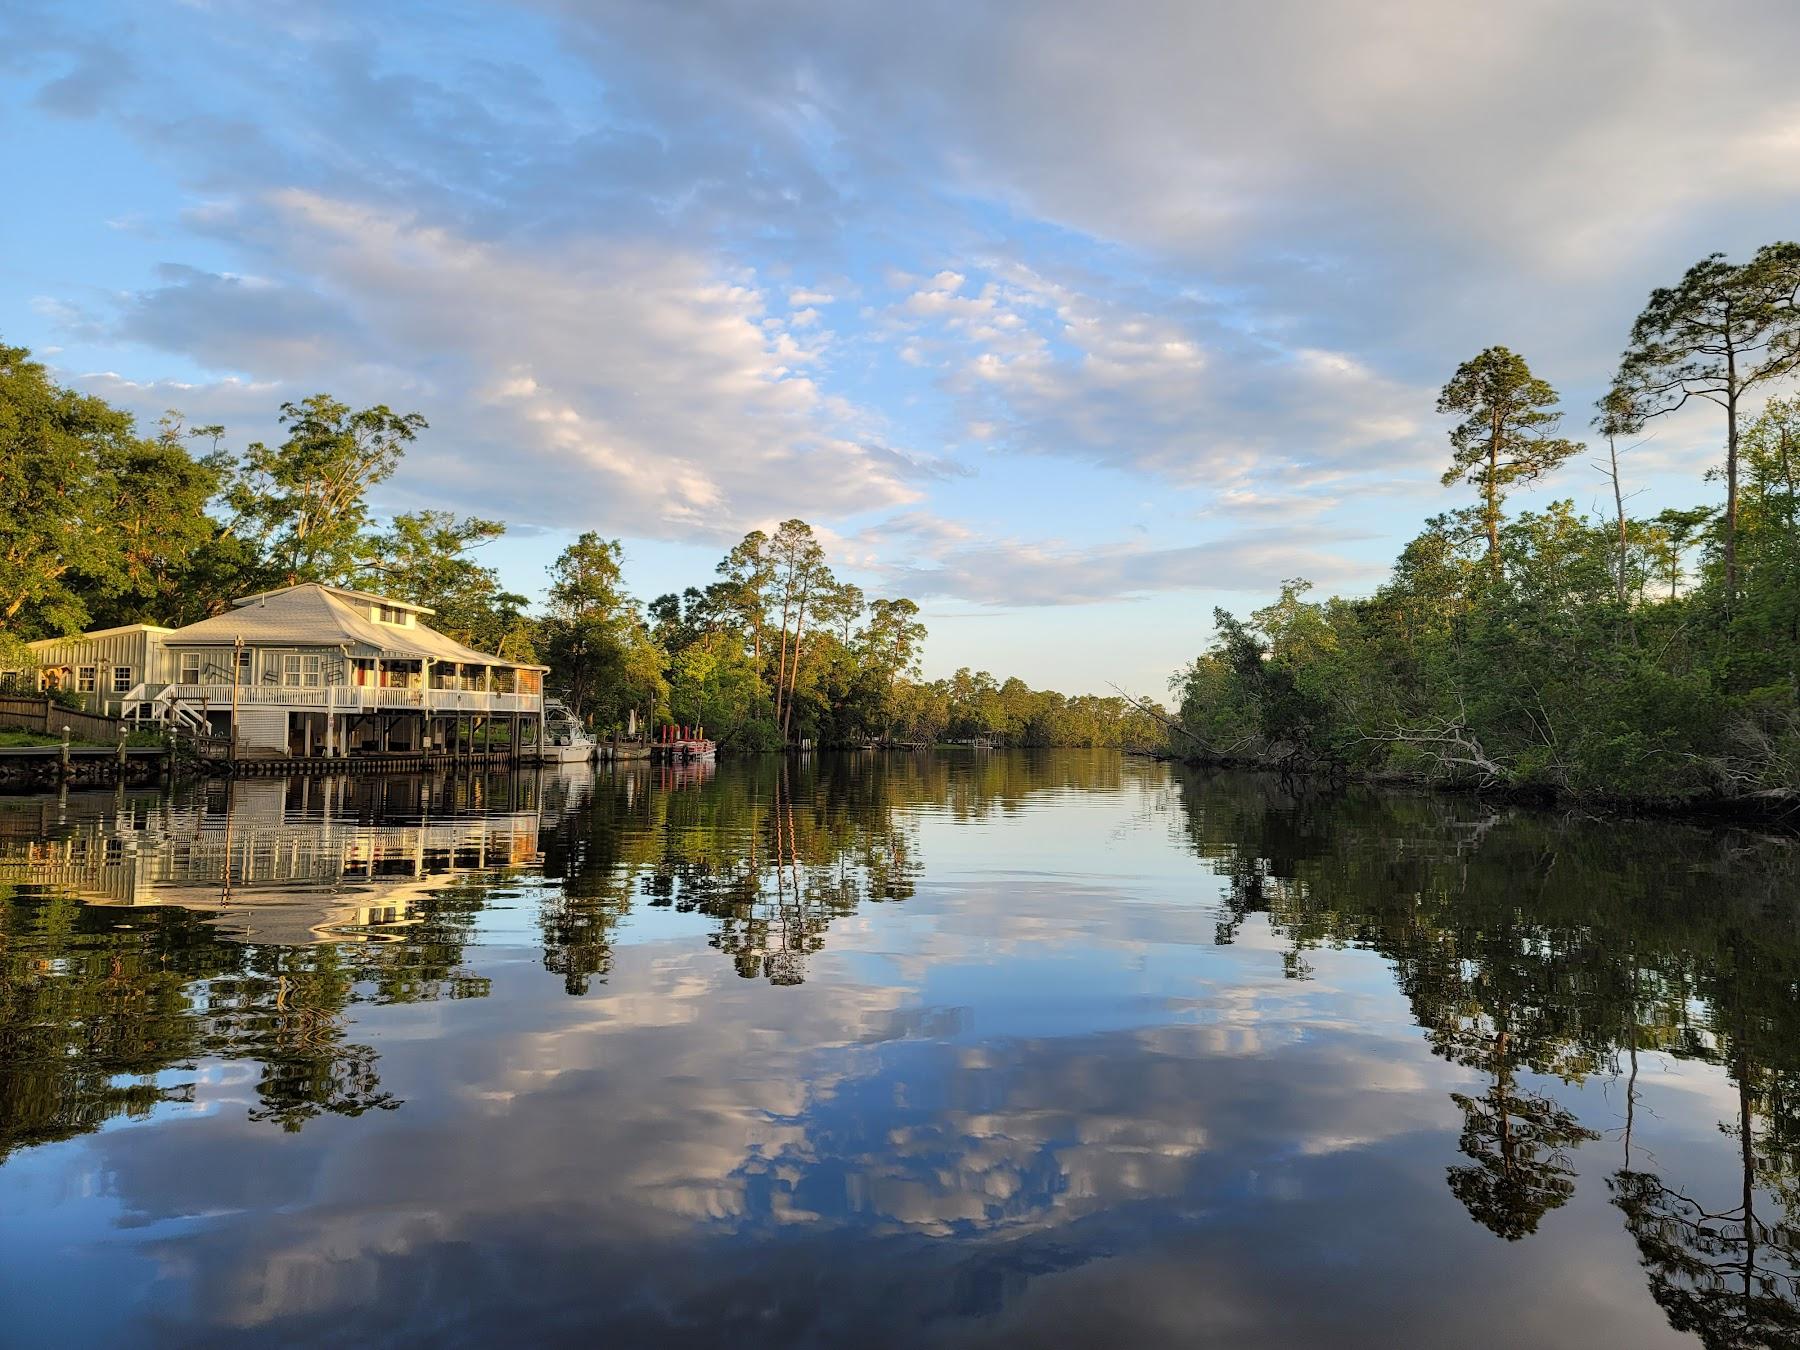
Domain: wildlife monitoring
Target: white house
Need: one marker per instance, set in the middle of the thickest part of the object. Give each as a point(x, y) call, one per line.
point(305, 670)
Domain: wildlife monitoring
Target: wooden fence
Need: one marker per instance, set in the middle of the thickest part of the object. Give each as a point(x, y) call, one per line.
point(50, 717)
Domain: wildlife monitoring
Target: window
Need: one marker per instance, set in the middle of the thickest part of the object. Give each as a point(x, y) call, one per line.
point(190, 668)
point(300, 671)
point(400, 618)
point(84, 680)
point(122, 679)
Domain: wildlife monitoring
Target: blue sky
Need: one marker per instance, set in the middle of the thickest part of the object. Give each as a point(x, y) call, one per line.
point(1071, 321)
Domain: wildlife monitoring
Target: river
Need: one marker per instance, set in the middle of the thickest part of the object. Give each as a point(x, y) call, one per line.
point(949, 1049)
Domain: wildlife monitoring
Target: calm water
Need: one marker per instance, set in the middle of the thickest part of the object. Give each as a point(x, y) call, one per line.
point(1017, 1050)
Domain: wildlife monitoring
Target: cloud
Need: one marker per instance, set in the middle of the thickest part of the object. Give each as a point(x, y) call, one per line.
point(1171, 390)
point(627, 387)
point(950, 562)
point(631, 258)
point(229, 322)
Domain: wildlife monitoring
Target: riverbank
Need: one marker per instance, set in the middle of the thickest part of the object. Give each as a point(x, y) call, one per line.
point(1766, 809)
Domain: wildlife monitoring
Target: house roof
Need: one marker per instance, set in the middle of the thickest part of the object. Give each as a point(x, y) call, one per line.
point(367, 597)
point(312, 615)
point(100, 633)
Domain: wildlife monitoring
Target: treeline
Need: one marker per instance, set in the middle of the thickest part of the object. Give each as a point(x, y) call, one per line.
point(1654, 660)
point(101, 525)
point(776, 649)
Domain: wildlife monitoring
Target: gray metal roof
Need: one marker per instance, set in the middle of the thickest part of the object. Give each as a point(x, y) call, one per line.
point(311, 615)
point(346, 592)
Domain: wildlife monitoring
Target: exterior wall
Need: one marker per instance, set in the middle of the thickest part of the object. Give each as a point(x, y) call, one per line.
point(264, 667)
point(263, 730)
point(133, 656)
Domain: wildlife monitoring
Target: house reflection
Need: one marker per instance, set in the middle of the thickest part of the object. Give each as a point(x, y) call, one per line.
point(275, 861)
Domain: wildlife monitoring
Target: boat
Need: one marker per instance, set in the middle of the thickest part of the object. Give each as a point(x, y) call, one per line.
point(683, 745)
point(564, 739)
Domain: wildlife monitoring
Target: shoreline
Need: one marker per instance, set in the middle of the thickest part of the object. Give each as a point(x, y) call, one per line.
point(1781, 813)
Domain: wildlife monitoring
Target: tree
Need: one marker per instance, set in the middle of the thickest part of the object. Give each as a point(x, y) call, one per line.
point(1674, 532)
point(166, 551)
point(1612, 422)
point(1767, 623)
point(55, 448)
point(1506, 435)
point(593, 636)
point(797, 577)
point(1723, 330)
point(422, 558)
point(748, 571)
point(1518, 1145)
point(1723, 1271)
point(304, 501)
point(892, 640)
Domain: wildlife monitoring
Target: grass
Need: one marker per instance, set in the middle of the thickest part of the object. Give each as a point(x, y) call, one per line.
point(12, 740)
point(15, 740)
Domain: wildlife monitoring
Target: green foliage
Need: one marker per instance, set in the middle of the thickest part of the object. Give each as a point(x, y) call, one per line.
point(1653, 661)
point(304, 501)
point(1506, 435)
point(1718, 334)
point(599, 649)
point(102, 527)
point(423, 558)
point(779, 650)
point(60, 453)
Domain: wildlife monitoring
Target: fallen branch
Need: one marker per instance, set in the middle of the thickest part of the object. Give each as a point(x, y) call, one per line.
point(1151, 710)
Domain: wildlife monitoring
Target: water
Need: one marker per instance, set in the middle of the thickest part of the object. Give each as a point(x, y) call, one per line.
point(939, 1050)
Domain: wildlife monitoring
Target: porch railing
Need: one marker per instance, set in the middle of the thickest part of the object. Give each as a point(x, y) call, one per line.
point(358, 698)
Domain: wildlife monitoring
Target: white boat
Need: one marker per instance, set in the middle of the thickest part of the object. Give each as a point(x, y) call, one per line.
point(563, 739)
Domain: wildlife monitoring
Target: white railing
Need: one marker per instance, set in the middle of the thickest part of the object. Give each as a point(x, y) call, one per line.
point(356, 698)
point(481, 700)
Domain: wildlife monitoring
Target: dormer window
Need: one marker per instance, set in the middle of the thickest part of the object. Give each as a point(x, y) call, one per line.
point(400, 618)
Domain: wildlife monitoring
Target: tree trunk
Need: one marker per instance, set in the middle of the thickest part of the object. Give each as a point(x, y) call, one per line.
point(1747, 1149)
point(1612, 450)
point(1731, 480)
point(787, 711)
point(781, 668)
point(1493, 507)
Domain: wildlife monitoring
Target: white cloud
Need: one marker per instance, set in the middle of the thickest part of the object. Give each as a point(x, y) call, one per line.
point(944, 559)
point(620, 386)
point(1174, 391)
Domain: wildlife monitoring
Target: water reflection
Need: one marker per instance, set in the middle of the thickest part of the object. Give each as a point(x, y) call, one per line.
point(1530, 944)
point(144, 933)
point(900, 1050)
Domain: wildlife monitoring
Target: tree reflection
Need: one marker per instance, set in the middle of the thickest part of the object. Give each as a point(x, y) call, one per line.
point(106, 1009)
point(1519, 1143)
point(1529, 944)
point(772, 854)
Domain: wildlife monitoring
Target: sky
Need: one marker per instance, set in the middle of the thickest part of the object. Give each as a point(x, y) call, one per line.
point(1070, 321)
